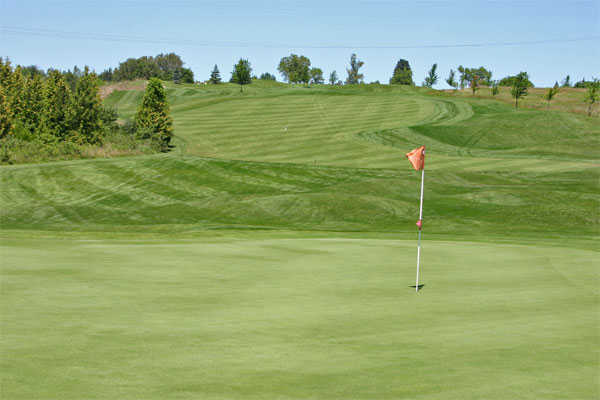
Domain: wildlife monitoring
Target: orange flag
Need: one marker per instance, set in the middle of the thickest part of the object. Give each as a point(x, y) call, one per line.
point(417, 158)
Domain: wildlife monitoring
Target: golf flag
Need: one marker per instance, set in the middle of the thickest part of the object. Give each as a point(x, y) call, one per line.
point(417, 158)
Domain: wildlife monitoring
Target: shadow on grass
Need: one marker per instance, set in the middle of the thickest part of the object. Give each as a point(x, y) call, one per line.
point(420, 286)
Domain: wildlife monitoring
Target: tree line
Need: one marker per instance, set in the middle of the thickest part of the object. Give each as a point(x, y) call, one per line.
point(293, 69)
point(168, 67)
point(49, 106)
point(65, 107)
point(297, 69)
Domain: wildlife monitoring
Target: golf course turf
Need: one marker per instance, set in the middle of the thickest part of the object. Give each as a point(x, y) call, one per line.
point(270, 254)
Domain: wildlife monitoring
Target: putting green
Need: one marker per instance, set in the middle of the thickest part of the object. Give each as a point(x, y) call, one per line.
point(295, 316)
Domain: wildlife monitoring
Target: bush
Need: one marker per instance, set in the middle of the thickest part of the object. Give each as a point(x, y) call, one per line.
point(22, 147)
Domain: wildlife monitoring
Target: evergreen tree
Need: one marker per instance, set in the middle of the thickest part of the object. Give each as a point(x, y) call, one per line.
point(583, 84)
point(34, 104)
point(72, 77)
point(15, 86)
point(402, 74)
point(33, 70)
point(353, 76)
point(432, 77)
point(267, 77)
point(87, 108)
point(5, 72)
point(57, 107)
point(519, 88)
point(241, 74)
point(5, 114)
point(333, 78)
point(215, 76)
point(451, 81)
point(567, 81)
point(152, 117)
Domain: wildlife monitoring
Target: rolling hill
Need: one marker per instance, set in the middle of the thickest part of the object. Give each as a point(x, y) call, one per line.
point(269, 254)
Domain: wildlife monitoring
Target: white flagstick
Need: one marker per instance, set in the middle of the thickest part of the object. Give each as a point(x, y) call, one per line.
point(420, 227)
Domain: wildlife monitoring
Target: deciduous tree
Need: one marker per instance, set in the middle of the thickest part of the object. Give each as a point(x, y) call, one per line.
point(474, 83)
point(462, 77)
point(167, 64)
point(242, 73)
point(519, 87)
point(553, 91)
point(483, 76)
point(316, 76)
point(593, 95)
point(451, 81)
point(432, 77)
point(333, 78)
point(295, 68)
point(163, 66)
point(354, 77)
point(183, 75)
point(510, 80)
point(495, 89)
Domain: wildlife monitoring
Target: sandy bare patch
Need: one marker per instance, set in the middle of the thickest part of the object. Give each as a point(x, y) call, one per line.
point(106, 90)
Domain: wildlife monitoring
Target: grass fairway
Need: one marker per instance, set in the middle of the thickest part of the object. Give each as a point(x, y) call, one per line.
point(259, 262)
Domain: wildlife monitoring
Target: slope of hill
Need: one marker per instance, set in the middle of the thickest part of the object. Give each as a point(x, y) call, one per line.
point(568, 99)
point(326, 159)
point(165, 193)
point(269, 255)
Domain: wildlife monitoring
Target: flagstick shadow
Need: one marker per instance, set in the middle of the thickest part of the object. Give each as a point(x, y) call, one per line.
point(420, 286)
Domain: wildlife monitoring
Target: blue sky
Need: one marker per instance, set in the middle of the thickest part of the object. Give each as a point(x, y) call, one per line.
point(548, 39)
